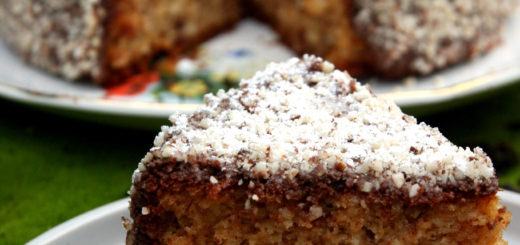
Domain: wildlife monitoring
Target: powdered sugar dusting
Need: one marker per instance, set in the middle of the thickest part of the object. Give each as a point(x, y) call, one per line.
point(301, 116)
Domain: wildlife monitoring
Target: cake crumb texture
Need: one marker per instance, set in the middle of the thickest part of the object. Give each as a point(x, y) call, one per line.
point(189, 216)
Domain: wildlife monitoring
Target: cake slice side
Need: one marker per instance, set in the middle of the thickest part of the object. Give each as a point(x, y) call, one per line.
point(323, 28)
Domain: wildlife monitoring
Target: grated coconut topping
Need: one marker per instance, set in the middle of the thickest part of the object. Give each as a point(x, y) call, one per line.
point(302, 115)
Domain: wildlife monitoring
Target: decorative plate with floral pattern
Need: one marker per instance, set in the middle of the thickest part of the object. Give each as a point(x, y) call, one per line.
point(179, 85)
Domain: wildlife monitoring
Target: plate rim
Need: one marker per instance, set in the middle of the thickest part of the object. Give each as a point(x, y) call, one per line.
point(158, 110)
point(74, 223)
point(119, 205)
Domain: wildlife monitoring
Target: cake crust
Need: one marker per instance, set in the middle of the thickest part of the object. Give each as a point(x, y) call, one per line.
point(311, 187)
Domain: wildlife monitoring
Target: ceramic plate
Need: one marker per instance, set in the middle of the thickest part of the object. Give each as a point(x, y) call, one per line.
point(103, 225)
point(220, 63)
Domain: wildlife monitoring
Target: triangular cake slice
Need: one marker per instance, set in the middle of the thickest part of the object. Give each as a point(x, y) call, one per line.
point(303, 154)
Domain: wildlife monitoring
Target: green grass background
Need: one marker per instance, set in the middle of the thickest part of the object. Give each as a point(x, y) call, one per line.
point(52, 169)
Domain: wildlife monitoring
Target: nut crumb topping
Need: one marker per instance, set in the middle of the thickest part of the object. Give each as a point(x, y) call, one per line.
point(295, 119)
point(145, 211)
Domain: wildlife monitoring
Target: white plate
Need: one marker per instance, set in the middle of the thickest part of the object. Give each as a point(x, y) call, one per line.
point(103, 225)
point(244, 49)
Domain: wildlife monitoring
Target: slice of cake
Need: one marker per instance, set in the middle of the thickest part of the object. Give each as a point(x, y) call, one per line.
point(304, 154)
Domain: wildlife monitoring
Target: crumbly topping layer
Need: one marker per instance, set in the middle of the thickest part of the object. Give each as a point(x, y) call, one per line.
point(63, 37)
point(431, 33)
point(301, 117)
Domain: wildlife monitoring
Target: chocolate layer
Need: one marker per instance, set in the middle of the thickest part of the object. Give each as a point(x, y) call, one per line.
point(166, 177)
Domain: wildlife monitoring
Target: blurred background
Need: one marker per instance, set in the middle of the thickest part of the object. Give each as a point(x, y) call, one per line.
point(67, 147)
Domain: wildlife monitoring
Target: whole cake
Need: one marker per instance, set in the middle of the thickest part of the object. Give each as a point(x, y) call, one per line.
point(109, 40)
point(304, 154)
